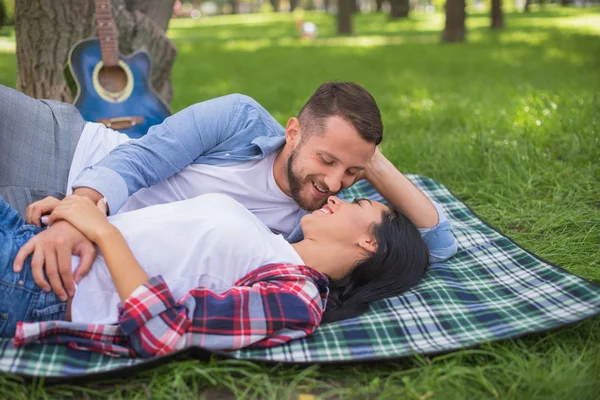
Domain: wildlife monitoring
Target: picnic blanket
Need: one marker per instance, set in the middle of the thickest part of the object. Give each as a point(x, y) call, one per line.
point(490, 290)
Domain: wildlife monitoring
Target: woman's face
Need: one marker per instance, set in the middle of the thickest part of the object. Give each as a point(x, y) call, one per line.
point(343, 222)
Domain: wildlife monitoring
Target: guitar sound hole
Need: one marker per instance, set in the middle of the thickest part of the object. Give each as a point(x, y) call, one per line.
point(112, 79)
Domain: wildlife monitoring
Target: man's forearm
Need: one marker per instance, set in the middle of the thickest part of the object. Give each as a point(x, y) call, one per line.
point(400, 192)
point(168, 147)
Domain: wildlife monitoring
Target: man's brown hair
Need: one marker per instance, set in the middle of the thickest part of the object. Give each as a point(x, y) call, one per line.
point(348, 100)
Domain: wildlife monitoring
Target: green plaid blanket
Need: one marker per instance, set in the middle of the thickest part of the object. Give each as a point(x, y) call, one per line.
point(490, 290)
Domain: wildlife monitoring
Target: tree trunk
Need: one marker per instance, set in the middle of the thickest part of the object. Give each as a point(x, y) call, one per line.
point(527, 5)
point(565, 3)
point(276, 5)
point(399, 9)
point(379, 5)
point(344, 17)
point(497, 15)
point(354, 7)
point(158, 11)
point(455, 21)
point(3, 13)
point(235, 6)
point(294, 4)
point(325, 5)
point(63, 24)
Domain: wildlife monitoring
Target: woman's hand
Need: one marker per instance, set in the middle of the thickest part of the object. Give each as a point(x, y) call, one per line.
point(83, 214)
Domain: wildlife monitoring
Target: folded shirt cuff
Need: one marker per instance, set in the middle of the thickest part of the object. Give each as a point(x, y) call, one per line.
point(146, 302)
point(439, 239)
point(441, 219)
point(108, 183)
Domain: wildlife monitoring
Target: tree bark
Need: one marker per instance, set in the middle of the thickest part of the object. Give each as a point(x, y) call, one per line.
point(527, 5)
point(354, 6)
point(399, 9)
point(63, 24)
point(379, 5)
point(276, 5)
point(344, 17)
point(235, 6)
point(158, 11)
point(455, 21)
point(565, 3)
point(325, 5)
point(497, 15)
point(294, 4)
point(3, 16)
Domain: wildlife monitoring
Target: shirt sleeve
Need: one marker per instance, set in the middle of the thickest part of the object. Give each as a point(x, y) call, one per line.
point(166, 149)
point(262, 313)
point(439, 240)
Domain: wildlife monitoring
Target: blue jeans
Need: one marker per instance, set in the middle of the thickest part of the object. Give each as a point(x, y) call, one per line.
point(20, 298)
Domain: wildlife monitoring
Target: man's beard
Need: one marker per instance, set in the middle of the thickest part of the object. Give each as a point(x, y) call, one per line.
point(296, 184)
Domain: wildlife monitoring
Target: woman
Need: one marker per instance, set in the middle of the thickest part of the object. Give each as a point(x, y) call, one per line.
point(211, 243)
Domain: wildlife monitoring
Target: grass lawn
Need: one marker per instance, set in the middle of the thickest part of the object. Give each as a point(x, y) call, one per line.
point(508, 121)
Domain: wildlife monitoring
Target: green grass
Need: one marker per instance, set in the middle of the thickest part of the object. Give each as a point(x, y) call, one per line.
point(508, 121)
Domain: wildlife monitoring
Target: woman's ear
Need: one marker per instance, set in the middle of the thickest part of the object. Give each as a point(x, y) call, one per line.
point(368, 243)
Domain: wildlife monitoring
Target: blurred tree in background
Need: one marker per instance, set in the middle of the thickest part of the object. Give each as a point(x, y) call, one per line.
point(3, 16)
point(7, 12)
point(399, 8)
point(344, 17)
point(497, 15)
point(455, 21)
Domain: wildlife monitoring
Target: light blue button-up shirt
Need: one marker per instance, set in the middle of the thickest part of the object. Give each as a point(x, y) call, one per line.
point(221, 130)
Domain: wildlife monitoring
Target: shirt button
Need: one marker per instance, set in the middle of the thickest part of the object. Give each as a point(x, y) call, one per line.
point(20, 283)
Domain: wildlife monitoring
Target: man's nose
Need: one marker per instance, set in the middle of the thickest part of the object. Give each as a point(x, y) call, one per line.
point(334, 182)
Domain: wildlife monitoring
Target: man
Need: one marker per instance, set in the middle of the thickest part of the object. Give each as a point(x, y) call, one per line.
point(230, 145)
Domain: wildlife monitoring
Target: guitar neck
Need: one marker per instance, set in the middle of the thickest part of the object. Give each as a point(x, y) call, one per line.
point(107, 33)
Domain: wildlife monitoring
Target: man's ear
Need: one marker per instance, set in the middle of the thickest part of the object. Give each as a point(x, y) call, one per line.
point(368, 243)
point(292, 132)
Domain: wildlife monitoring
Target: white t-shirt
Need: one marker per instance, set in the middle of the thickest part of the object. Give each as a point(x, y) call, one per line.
point(209, 241)
point(249, 182)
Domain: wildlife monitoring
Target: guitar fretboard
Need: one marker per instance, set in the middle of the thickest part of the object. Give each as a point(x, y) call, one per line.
point(107, 33)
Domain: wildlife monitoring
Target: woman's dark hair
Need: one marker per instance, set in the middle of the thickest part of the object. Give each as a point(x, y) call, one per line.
point(399, 263)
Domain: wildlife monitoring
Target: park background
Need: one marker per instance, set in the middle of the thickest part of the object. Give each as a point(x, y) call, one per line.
point(507, 119)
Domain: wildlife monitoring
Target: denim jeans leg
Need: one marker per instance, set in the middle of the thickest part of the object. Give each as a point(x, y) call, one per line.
point(20, 298)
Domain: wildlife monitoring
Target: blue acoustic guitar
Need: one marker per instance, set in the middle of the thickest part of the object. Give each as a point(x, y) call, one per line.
point(113, 89)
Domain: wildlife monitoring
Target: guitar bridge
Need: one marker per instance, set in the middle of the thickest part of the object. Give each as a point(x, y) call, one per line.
point(121, 123)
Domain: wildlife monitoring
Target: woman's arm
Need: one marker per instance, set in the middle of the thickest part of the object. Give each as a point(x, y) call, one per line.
point(90, 219)
point(270, 306)
point(126, 272)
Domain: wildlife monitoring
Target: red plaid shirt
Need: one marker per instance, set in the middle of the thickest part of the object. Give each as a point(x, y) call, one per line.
point(271, 305)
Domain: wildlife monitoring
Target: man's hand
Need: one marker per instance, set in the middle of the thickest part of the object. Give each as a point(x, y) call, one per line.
point(34, 211)
point(399, 191)
point(53, 248)
point(91, 194)
point(374, 163)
